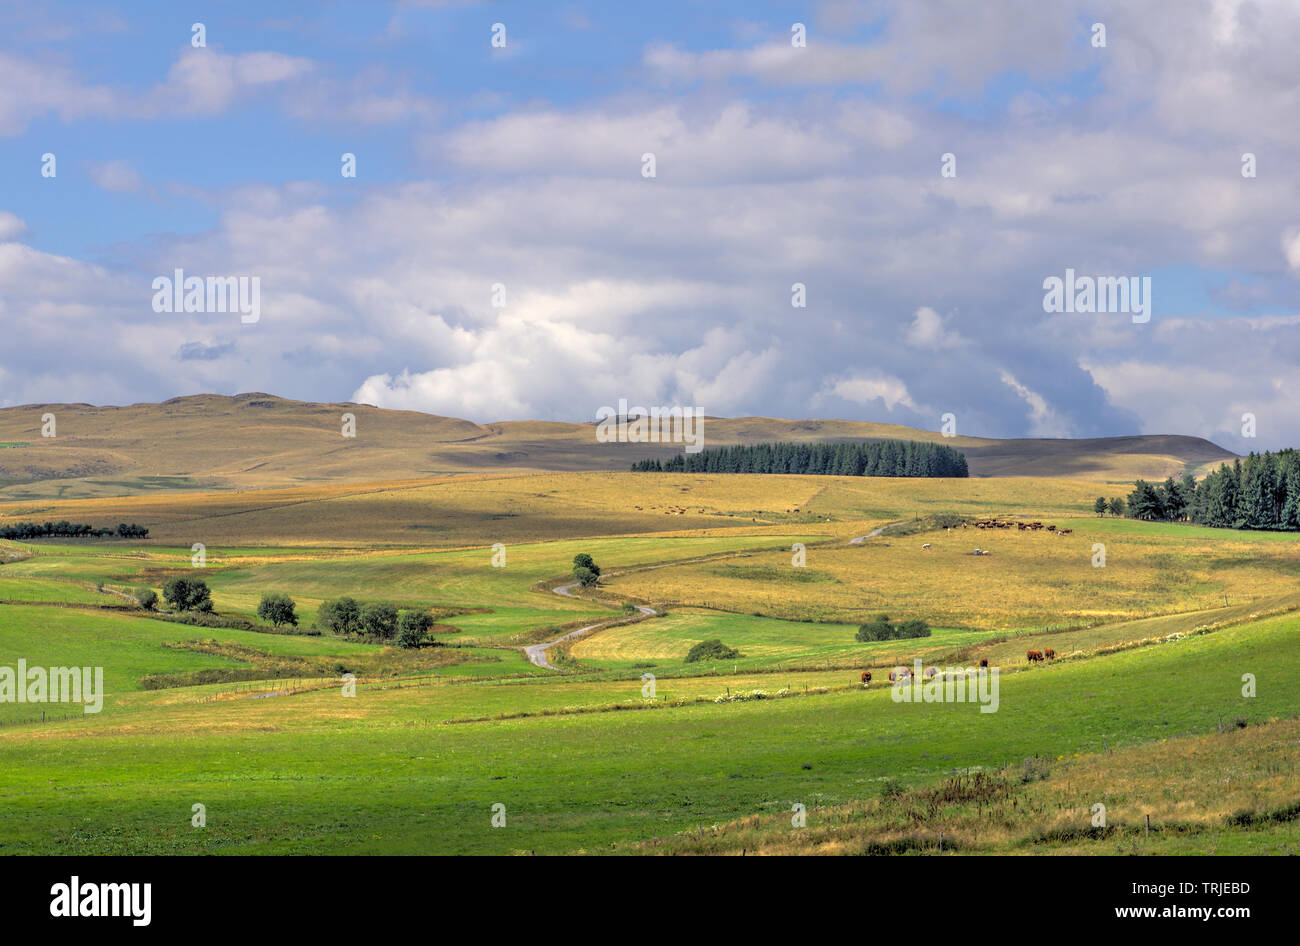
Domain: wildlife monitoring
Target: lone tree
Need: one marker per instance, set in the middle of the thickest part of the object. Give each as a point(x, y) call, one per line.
point(585, 570)
point(1099, 507)
point(278, 608)
point(340, 617)
point(412, 626)
point(380, 619)
point(1116, 506)
point(187, 594)
point(147, 598)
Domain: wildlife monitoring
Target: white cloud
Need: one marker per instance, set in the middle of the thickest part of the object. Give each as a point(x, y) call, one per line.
point(927, 331)
point(1291, 248)
point(1043, 420)
point(866, 389)
point(11, 226)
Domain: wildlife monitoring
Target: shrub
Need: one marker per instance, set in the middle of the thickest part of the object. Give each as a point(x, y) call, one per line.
point(188, 594)
point(586, 577)
point(147, 598)
point(880, 629)
point(711, 650)
point(278, 608)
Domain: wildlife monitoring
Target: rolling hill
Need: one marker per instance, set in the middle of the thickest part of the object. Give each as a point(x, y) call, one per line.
point(258, 440)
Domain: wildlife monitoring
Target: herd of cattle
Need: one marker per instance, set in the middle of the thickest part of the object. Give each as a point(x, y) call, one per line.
point(1022, 526)
point(904, 673)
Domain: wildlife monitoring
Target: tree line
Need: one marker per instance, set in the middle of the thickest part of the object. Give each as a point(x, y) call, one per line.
point(344, 616)
point(881, 458)
point(70, 530)
point(1260, 492)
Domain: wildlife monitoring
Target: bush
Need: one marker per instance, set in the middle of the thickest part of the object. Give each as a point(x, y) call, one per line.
point(880, 629)
point(147, 598)
point(586, 577)
point(278, 608)
point(342, 616)
point(412, 627)
point(188, 594)
point(711, 650)
point(380, 619)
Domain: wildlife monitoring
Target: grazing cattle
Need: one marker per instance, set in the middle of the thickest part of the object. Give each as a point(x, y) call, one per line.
point(1049, 654)
point(984, 662)
point(926, 545)
point(866, 677)
point(1034, 656)
point(930, 672)
point(1065, 532)
point(901, 673)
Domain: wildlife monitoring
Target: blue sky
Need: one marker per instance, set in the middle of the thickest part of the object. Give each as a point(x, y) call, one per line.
point(522, 166)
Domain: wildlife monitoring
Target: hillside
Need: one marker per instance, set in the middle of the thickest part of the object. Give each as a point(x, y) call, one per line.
point(258, 440)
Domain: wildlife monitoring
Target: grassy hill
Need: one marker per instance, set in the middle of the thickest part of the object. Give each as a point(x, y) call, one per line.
point(257, 441)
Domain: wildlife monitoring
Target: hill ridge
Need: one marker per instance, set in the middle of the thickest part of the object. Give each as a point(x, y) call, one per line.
point(257, 439)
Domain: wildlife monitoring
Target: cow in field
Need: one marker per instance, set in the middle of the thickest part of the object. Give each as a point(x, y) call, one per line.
point(901, 673)
point(1049, 654)
point(1034, 656)
point(926, 546)
point(866, 677)
point(984, 662)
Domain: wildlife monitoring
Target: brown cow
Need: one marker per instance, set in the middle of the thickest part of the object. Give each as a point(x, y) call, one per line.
point(1034, 656)
point(1049, 654)
point(866, 677)
point(984, 662)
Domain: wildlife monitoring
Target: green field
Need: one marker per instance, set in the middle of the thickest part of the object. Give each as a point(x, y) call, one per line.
point(629, 748)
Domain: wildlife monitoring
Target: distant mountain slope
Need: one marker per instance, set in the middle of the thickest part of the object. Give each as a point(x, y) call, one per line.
point(258, 440)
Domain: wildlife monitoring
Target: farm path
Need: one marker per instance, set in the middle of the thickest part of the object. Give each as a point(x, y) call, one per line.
point(872, 534)
point(537, 652)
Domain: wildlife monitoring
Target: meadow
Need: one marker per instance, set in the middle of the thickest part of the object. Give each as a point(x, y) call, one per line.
point(628, 748)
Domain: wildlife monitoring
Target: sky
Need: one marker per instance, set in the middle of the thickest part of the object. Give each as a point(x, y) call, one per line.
point(919, 167)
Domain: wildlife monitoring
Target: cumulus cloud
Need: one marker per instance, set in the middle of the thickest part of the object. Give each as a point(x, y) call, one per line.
point(1043, 420)
point(865, 390)
point(775, 166)
point(928, 331)
point(11, 226)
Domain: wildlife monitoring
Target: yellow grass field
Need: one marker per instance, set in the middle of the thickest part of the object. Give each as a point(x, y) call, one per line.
point(1028, 579)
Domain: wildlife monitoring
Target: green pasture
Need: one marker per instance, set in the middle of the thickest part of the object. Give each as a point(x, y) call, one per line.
point(316, 773)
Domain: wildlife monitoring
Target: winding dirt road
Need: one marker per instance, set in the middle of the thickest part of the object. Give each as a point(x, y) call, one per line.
point(537, 652)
